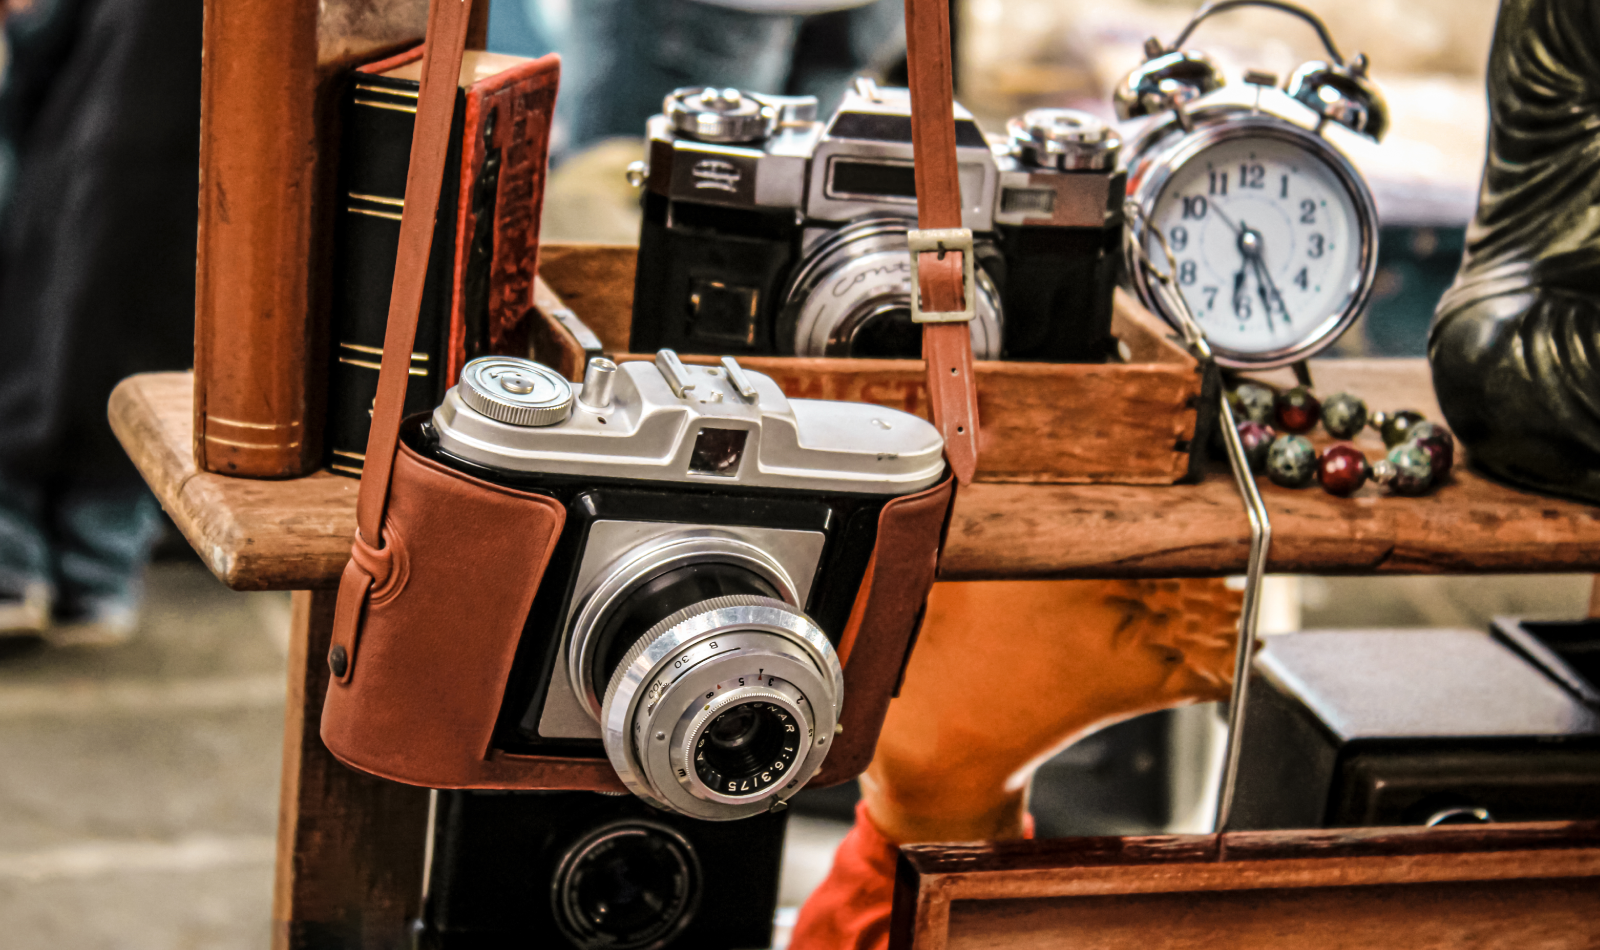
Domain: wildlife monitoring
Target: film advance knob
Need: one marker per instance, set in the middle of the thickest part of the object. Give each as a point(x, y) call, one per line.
point(1064, 139)
point(516, 391)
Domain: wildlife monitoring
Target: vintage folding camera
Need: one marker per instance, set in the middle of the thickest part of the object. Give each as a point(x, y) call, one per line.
point(585, 871)
point(767, 231)
point(731, 582)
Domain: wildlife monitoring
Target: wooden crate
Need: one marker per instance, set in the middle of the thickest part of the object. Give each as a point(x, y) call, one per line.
point(1493, 887)
point(1131, 423)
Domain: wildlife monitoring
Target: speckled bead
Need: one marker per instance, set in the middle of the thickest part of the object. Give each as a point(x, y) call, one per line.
point(1291, 461)
point(1297, 410)
point(1257, 439)
point(1344, 415)
point(1440, 445)
point(1253, 402)
point(1342, 469)
point(1413, 469)
point(1396, 427)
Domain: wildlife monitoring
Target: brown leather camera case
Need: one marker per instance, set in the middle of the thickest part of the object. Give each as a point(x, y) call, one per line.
point(426, 665)
point(429, 618)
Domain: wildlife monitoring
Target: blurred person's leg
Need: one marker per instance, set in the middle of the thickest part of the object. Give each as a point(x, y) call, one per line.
point(25, 589)
point(833, 48)
point(101, 540)
point(621, 57)
point(96, 279)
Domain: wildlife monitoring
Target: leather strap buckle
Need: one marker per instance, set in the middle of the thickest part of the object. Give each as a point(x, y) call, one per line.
point(942, 240)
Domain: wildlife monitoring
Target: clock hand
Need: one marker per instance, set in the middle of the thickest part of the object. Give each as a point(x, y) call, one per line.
point(1268, 287)
point(1227, 220)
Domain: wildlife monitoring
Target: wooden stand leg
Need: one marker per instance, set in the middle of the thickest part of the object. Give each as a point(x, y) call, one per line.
point(350, 846)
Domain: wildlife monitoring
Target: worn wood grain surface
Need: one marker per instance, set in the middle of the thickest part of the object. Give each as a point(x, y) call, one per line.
point(350, 846)
point(295, 534)
point(1503, 886)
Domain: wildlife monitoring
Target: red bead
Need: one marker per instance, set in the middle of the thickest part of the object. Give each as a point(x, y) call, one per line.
point(1342, 470)
point(1256, 439)
point(1298, 410)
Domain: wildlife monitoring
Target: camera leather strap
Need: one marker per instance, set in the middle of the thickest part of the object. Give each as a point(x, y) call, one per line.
point(446, 43)
point(946, 346)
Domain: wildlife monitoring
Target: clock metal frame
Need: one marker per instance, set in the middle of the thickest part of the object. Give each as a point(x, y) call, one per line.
point(1163, 153)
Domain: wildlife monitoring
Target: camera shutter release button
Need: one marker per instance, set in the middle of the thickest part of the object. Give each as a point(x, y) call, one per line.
point(516, 391)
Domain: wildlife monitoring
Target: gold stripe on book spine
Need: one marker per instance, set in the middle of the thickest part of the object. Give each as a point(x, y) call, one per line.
point(386, 105)
point(378, 199)
point(368, 364)
point(370, 212)
point(385, 90)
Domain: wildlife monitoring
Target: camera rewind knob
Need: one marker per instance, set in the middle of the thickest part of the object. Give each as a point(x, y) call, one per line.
point(516, 391)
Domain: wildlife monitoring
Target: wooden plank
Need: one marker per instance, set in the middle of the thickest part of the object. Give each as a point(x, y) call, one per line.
point(1502, 915)
point(1500, 886)
point(350, 846)
point(295, 534)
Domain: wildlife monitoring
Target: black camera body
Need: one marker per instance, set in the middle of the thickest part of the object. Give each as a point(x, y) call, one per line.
point(689, 622)
point(769, 232)
point(582, 871)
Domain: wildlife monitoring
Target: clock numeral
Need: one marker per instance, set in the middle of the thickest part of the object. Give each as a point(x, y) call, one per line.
point(1308, 211)
point(1251, 176)
point(1285, 192)
point(1211, 296)
point(1241, 307)
point(1194, 208)
point(1317, 245)
point(1301, 279)
point(1219, 183)
point(1186, 272)
point(1178, 237)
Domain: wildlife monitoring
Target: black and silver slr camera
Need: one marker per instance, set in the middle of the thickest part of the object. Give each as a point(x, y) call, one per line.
point(582, 871)
point(767, 231)
point(690, 623)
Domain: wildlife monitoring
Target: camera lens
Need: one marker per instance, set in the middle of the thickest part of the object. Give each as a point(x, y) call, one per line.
point(851, 296)
point(746, 749)
point(886, 333)
point(627, 886)
point(717, 696)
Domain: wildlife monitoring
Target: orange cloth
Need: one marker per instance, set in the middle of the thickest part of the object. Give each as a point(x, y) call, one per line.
point(849, 910)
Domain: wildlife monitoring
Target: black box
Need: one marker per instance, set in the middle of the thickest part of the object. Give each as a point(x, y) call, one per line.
point(1404, 727)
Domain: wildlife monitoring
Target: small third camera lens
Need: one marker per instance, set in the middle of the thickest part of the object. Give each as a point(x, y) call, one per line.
point(627, 887)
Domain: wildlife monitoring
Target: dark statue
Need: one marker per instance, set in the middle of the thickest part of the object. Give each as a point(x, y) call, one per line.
point(1515, 344)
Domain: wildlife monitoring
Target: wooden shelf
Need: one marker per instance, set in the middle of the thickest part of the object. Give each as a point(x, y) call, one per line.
point(295, 534)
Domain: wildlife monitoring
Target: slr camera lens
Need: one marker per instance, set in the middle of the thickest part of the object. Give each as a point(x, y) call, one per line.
point(717, 696)
point(628, 886)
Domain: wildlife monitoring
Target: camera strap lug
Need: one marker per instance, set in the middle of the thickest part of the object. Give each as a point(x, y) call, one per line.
point(942, 241)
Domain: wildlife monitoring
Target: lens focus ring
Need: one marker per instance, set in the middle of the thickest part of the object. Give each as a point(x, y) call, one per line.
point(723, 707)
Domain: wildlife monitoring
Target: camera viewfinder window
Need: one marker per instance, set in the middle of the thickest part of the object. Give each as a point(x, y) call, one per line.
point(717, 452)
point(872, 179)
point(723, 312)
point(1036, 201)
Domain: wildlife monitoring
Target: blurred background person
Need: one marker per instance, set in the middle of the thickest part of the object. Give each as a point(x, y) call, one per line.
point(99, 139)
point(621, 57)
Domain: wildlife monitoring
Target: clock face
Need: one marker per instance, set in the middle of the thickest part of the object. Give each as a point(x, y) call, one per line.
point(1271, 245)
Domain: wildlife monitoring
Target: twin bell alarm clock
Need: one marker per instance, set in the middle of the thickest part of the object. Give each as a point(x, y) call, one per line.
point(1270, 232)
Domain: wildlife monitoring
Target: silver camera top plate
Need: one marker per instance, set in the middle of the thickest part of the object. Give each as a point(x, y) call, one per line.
point(713, 435)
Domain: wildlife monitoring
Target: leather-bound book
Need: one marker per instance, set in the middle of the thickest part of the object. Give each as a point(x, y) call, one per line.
point(486, 238)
